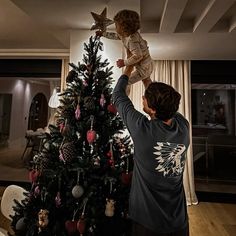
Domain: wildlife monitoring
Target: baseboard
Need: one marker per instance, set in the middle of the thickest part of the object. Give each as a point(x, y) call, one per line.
point(216, 197)
point(5, 183)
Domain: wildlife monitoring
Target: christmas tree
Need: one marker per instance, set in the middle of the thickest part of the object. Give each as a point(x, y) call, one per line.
point(81, 177)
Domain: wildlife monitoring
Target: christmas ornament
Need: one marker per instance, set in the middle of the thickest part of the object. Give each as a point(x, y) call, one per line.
point(109, 154)
point(111, 181)
point(36, 191)
point(64, 128)
point(78, 134)
point(33, 175)
point(58, 199)
point(21, 224)
point(61, 127)
point(110, 207)
point(71, 226)
point(77, 112)
point(67, 152)
point(78, 190)
point(81, 223)
point(44, 194)
point(42, 219)
point(102, 100)
point(126, 178)
point(111, 161)
point(85, 83)
point(111, 108)
point(91, 134)
point(101, 21)
point(97, 161)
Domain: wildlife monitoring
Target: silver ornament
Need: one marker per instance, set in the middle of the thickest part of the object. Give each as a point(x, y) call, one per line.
point(77, 191)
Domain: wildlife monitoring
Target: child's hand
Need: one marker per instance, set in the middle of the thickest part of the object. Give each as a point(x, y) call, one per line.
point(120, 63)
point(99, 33)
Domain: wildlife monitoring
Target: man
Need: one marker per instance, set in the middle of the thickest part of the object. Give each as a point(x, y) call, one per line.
point(157, 200)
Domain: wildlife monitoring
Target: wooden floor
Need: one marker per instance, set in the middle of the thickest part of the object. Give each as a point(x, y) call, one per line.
point(205, 219)
point(212, 219)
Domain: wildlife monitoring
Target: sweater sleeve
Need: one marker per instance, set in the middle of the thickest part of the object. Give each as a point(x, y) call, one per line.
point(134, 47)
point(111, 35)
point(130, 116)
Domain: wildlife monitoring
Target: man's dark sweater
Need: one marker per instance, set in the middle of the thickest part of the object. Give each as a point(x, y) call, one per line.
point(157, 199)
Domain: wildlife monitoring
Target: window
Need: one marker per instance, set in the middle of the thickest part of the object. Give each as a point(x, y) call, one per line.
point(214, 129)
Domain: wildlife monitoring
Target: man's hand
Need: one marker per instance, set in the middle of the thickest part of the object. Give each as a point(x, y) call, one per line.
point(128, 70)
point(120, 63)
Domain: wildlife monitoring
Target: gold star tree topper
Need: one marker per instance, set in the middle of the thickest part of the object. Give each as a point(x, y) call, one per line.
point(101, 21)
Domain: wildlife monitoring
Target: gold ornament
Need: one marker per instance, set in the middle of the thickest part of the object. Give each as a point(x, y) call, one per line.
point(110, 207)
point(43, 219)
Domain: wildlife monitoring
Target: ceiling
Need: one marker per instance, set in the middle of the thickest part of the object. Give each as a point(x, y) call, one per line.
point(174, 29)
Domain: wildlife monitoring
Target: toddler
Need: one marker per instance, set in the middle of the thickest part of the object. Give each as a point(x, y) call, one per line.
point(127, 24)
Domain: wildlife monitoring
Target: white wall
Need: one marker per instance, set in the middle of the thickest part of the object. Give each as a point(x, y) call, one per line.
point(112, 49)
point(22, 95)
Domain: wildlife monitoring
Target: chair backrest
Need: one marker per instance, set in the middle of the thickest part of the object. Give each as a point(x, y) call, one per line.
point(2, 234)
point(10, 193)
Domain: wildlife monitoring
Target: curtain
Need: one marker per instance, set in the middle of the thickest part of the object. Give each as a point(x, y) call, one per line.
point(176, 74)
point(64, 72)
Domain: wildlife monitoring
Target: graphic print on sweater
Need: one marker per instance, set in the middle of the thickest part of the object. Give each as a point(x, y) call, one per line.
point(170, 159)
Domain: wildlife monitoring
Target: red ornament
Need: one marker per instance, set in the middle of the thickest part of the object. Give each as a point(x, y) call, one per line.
point(71, 226)
point(33, 175)
point(109, 154)
point(61, 126)
point(126, 178)
point(81, 225)
point(65, 130)
point(91, 136)
point(111, 108)
point(111, 163)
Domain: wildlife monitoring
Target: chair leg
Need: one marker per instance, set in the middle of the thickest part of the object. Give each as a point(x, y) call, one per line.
point(26, 147)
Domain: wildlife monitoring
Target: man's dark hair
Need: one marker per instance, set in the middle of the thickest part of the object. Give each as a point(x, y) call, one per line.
point(162, 98)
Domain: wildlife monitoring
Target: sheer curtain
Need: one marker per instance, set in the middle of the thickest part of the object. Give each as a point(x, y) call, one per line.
point(176, 74)
point(64, 72)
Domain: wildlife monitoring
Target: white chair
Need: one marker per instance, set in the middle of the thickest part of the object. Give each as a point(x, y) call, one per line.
point(10, 193)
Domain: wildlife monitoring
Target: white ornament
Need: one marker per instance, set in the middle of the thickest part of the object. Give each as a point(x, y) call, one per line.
point(77, 191)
